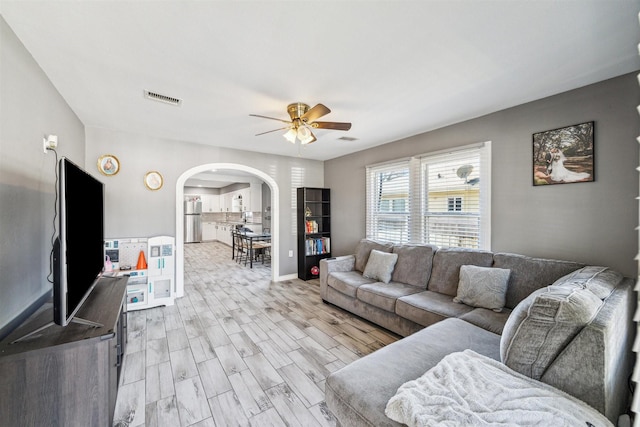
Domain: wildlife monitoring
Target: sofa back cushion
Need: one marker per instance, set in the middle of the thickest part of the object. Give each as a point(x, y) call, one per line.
point(445, 273)
point(529, 274)
point(543, 324)
point(364, 248)
point(414, 264)
point(599, 280)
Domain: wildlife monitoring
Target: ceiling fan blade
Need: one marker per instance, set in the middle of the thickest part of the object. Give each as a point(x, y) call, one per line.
point(275, 130)
point(315, 113)
point(331, 125)
point(270, 118)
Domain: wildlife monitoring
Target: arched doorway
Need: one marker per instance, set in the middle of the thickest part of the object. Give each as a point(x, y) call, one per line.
point(275, 222)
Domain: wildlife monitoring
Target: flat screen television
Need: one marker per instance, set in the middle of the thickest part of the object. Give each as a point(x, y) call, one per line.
point(78, 252)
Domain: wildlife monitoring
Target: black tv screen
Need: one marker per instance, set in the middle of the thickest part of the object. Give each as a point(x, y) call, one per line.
point(79, 247)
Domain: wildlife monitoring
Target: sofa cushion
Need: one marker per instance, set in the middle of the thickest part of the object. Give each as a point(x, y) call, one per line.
point(414, 264)
point(364, 248)
point(483, 287)
point(384, 295)
point(529, 274)
point(427, 307)
point(599, 280)
point(347, 282)
point(445, 274)
point(358, 393)
point(380, 266)
point(541, 326)
point(487, 319)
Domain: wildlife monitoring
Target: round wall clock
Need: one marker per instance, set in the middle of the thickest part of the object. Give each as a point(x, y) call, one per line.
point(153, 180)
point(108, 164)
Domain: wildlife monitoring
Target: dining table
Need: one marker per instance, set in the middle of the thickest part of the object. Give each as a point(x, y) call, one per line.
point(251, 237)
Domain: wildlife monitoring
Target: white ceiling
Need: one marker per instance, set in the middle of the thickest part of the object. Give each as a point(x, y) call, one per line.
point(392, 68)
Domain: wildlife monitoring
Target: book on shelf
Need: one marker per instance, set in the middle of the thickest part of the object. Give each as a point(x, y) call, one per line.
point(311, 226)
point(318, 246)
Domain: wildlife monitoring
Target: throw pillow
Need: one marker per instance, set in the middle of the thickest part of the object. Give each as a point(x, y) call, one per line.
point(483, 287)
point(364, 248)
point(541, 326)
point(380, 266)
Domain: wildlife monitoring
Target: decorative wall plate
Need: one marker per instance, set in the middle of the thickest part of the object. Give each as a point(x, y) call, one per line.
point(153, 180)
point(108, 164)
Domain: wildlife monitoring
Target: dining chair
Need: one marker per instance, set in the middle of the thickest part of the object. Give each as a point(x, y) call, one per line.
point(242, 252)
point(262, 249)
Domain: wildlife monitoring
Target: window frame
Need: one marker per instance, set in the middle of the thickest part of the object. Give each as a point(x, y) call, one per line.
point(418, 195)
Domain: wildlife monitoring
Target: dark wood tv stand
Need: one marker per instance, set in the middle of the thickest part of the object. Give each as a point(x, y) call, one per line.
point(66, 376)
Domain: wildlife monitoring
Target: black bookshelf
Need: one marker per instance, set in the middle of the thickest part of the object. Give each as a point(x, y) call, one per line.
point(314, 230)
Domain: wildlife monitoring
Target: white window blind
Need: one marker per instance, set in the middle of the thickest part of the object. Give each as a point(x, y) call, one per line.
point(451, 203)
point(388, 202)
point(441, 198)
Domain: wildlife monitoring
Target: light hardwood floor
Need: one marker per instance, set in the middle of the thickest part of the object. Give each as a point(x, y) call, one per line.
point(237, 350)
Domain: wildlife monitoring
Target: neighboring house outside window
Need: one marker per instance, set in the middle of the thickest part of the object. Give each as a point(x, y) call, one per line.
point(441, 198)
point(454, 204)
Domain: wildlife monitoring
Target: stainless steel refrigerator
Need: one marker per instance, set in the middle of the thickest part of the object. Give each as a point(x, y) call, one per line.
point(192, 219)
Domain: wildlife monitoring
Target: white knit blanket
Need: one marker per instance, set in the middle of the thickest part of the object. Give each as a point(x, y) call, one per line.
point(468, 389)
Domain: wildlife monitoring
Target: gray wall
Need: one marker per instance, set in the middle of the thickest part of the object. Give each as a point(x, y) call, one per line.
point(30, 108)
point(132, 210)
point(587, 222)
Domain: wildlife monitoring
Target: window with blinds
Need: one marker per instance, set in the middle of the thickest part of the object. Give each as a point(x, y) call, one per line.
point(451, 203)
point(388, 202)
point(441, 199)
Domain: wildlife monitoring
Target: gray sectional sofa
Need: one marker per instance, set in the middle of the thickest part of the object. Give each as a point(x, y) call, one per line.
point(559, 322)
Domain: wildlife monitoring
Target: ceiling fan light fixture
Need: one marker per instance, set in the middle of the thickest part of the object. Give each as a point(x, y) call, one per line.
point(303, 121)
point(305, 135)
point(290, 135)
point(308, 140)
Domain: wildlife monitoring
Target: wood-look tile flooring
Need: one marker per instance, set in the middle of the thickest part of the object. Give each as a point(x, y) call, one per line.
point(237, 350)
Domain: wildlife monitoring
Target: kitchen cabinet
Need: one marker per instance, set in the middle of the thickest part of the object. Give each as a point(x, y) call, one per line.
point(209, 231)
point(224, 233)
point(240, 200)
point(226, 201)
point(210, 203)
point(236, 202)
point(246, 199)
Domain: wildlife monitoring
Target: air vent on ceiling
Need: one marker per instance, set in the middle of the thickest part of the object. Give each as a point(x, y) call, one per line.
point(162, 98)
point(347, 138)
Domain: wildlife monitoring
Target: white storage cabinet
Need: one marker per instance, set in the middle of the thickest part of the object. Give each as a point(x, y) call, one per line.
point(146, 288)
point(161, 269)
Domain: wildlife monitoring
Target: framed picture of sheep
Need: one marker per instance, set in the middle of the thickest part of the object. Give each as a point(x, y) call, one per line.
point(564, 155)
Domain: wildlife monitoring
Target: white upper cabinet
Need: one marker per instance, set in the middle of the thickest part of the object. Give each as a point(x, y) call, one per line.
point(210, 203)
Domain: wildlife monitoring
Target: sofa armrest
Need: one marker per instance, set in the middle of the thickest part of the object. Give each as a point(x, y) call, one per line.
point(329, 265)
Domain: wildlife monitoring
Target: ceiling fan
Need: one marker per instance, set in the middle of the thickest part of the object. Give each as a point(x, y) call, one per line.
point(303, 119)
